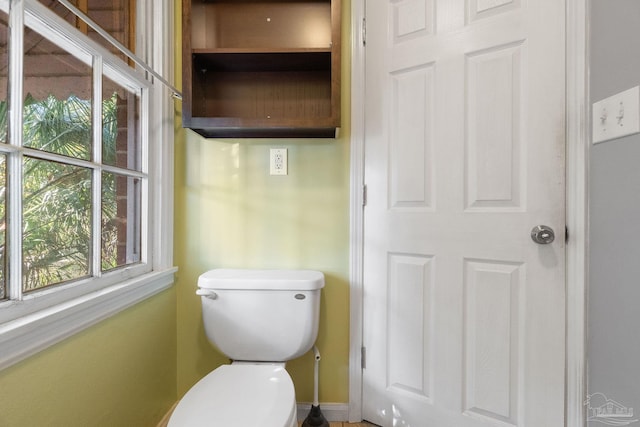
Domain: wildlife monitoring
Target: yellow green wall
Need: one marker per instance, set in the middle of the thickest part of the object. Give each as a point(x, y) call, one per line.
point(231, 213)
point(128, 370)
point(120, 372)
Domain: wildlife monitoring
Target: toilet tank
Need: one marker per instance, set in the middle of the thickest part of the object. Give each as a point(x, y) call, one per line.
point(261, 315)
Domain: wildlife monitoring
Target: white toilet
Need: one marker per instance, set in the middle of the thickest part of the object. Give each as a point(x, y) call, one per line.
point(260, 319)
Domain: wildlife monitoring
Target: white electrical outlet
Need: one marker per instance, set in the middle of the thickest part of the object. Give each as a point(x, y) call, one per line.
point(616, 116)
point(278, 161)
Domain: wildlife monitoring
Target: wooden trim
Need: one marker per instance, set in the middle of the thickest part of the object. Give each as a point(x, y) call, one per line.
point(35, 332)
point(333, 412)
point(356, 209)
point(336, 58)
point(131, 25)
point(578, 141)
point(341, 424)
point(83, 5)
point(187, 64)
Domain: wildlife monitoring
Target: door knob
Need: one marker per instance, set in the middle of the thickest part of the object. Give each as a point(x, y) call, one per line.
point(542, 234)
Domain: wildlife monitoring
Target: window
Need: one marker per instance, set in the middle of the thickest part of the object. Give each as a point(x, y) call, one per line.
point(79, 178)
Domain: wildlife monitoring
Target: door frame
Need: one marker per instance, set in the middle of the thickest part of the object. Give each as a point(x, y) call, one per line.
point(576, 171)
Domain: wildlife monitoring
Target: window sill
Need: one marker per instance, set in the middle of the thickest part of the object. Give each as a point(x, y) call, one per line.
point(32, 333)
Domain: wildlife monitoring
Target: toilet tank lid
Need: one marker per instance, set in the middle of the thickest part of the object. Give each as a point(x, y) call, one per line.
point(226, 278)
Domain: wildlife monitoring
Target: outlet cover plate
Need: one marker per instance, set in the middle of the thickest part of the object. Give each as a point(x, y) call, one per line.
point(278, 161)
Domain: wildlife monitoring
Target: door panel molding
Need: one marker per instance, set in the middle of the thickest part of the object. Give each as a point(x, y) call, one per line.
point(493, 297)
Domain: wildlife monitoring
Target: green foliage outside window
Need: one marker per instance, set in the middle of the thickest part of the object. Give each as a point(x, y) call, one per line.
point(57, 197)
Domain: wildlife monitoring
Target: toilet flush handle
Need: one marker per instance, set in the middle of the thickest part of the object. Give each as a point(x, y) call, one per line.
point(207, 293)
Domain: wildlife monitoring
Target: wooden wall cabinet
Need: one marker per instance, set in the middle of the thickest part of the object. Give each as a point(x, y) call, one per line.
point(261, 69)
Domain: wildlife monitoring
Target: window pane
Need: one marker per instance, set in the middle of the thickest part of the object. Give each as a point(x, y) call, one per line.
point(3, 225)
point(56, 223)
point(120, 126)
point(62, 11)
point(117, 17)
point(121, 203)
point(57, 106)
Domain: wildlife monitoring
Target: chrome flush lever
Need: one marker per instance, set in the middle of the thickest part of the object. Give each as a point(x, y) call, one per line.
point(207, 293)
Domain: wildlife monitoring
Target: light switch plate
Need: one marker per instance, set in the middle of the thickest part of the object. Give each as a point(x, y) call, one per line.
point(616, 116)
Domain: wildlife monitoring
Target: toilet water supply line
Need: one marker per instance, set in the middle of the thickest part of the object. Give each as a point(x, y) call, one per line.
point(316, 354)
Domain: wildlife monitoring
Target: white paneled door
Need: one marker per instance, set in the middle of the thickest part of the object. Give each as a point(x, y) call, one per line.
point(464, 314)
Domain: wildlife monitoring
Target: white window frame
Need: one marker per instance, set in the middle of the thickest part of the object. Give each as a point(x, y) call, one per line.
point(32, 322)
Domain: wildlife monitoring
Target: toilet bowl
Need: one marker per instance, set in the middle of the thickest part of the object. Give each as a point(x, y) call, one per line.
point(239, 394)
point(260, 319)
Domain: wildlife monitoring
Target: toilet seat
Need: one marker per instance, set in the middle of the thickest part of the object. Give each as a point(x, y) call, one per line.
point(239, 395)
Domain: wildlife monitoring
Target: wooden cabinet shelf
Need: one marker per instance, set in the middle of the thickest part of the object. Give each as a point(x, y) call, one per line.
point(275, 61)
point(261, 68)
point(263, 50)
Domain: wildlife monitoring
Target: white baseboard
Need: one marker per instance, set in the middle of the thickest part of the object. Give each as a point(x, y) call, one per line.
point(332, 411)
